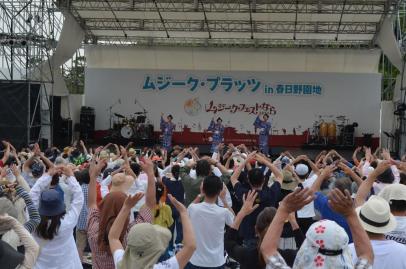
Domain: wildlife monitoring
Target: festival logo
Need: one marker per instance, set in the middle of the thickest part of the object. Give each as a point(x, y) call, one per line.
point(192, 107)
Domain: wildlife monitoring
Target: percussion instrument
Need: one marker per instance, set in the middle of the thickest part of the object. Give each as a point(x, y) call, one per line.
point(323, 129)
point(332, 129)
point(127, 131)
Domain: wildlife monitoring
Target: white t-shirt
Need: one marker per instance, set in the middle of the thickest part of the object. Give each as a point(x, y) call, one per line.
point(171, 263)
point(308, 210)
point(399, 234)
point(140, 185)
point(208, 221)
point(388, 254)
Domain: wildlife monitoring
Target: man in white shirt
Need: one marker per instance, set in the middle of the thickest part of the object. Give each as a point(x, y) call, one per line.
point(208, 221)
point(377, 220)
point(306, 214)
point(395, 194)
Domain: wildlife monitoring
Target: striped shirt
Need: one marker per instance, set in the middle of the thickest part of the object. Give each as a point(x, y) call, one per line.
point(34, 217)
point(103, 259)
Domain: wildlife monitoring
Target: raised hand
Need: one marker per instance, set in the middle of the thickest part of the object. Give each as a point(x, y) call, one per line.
point(249, 200)
point(341, 202)
point(386, 154)
point(382, 167)
point(178, 205)
point(344, 168)
point(96, 168)
point(66, 170)
point(16, 170)
point(296, 200)
point(328, 170)
point(148, 166)
point(131, 201)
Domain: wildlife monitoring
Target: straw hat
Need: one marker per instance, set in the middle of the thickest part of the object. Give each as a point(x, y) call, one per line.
point(375, 216)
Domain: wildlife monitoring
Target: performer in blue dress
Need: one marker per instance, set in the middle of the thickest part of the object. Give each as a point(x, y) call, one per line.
point(218, 130)
point(167, 128)
point(264, 127)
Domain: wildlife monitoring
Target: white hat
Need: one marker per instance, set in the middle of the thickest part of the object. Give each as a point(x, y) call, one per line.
point(393, 192)
point(301, 169)
point(375, 216)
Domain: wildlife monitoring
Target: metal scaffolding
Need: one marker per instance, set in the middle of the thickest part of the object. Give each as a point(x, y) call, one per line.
point(29, 30)
point(253, 23)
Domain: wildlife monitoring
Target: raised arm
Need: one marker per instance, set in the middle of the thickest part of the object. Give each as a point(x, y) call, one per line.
point(234, 177)
point(349, 172)
point(163, 122)
point(94, 172)
point(354, 156)
point(40, 185)
point(71, 217)
point(342, 203)
point(20, 180)
point(257, 122)
point(365, 188)
point(6, 152)
point(150, 196)
point(324, 175)
point(211, 126)
point(31, 248)
point(82, 144)
point(247, 208)
point(291, 203)
point(118, 224)
point(277, 173)
point(39, 154)
point(34, 217)
point(189, 241)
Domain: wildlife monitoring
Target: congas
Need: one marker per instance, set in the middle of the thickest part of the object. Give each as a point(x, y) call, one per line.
point(323, 129)
point(332, 129)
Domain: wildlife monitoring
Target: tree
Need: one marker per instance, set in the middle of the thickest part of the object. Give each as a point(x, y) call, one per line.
point(75, 75)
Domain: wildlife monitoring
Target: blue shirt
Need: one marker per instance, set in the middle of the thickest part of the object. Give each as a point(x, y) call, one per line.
point(321, 205)
point(175, 188)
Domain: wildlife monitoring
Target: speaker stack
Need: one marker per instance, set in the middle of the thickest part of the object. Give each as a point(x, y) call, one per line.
point(87, 123)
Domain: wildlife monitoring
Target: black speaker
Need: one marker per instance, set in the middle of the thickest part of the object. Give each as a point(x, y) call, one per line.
point(63, 133)
point(20, 109)
point(87, 122)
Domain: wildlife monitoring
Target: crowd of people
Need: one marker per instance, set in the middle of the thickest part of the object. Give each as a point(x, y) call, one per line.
point(175, 208)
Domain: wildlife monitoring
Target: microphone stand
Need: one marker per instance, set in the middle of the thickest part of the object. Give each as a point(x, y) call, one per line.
point(110, 111)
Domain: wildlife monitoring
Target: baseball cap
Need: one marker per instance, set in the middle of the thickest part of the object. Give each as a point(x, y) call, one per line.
point(301, 169)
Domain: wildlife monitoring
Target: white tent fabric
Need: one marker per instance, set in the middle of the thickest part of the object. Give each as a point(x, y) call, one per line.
point(387, 42)
point(70, 40)
point(234, 59)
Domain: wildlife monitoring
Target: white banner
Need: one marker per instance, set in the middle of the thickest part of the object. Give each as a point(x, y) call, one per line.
point(294, 100)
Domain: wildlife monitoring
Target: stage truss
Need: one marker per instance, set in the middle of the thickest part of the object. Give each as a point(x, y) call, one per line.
point(250, 23)
point(29, 30)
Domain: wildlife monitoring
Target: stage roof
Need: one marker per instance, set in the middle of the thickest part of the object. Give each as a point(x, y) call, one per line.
point(226, 23)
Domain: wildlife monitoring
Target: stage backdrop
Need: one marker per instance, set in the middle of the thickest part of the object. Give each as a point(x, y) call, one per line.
point(294, 100)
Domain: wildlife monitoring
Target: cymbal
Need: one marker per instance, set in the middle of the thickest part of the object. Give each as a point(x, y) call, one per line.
point(119, 116)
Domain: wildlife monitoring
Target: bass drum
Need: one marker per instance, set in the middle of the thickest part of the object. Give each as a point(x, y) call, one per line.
point(127, 132)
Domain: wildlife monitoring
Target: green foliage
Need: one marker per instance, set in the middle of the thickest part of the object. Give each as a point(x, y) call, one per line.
point(75, 76)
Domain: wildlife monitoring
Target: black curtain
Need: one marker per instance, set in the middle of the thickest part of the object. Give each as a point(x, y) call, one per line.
point(14, 123)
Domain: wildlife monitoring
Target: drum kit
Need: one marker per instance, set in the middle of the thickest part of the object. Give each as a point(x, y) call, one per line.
point(329, 130)
point(132, 127)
